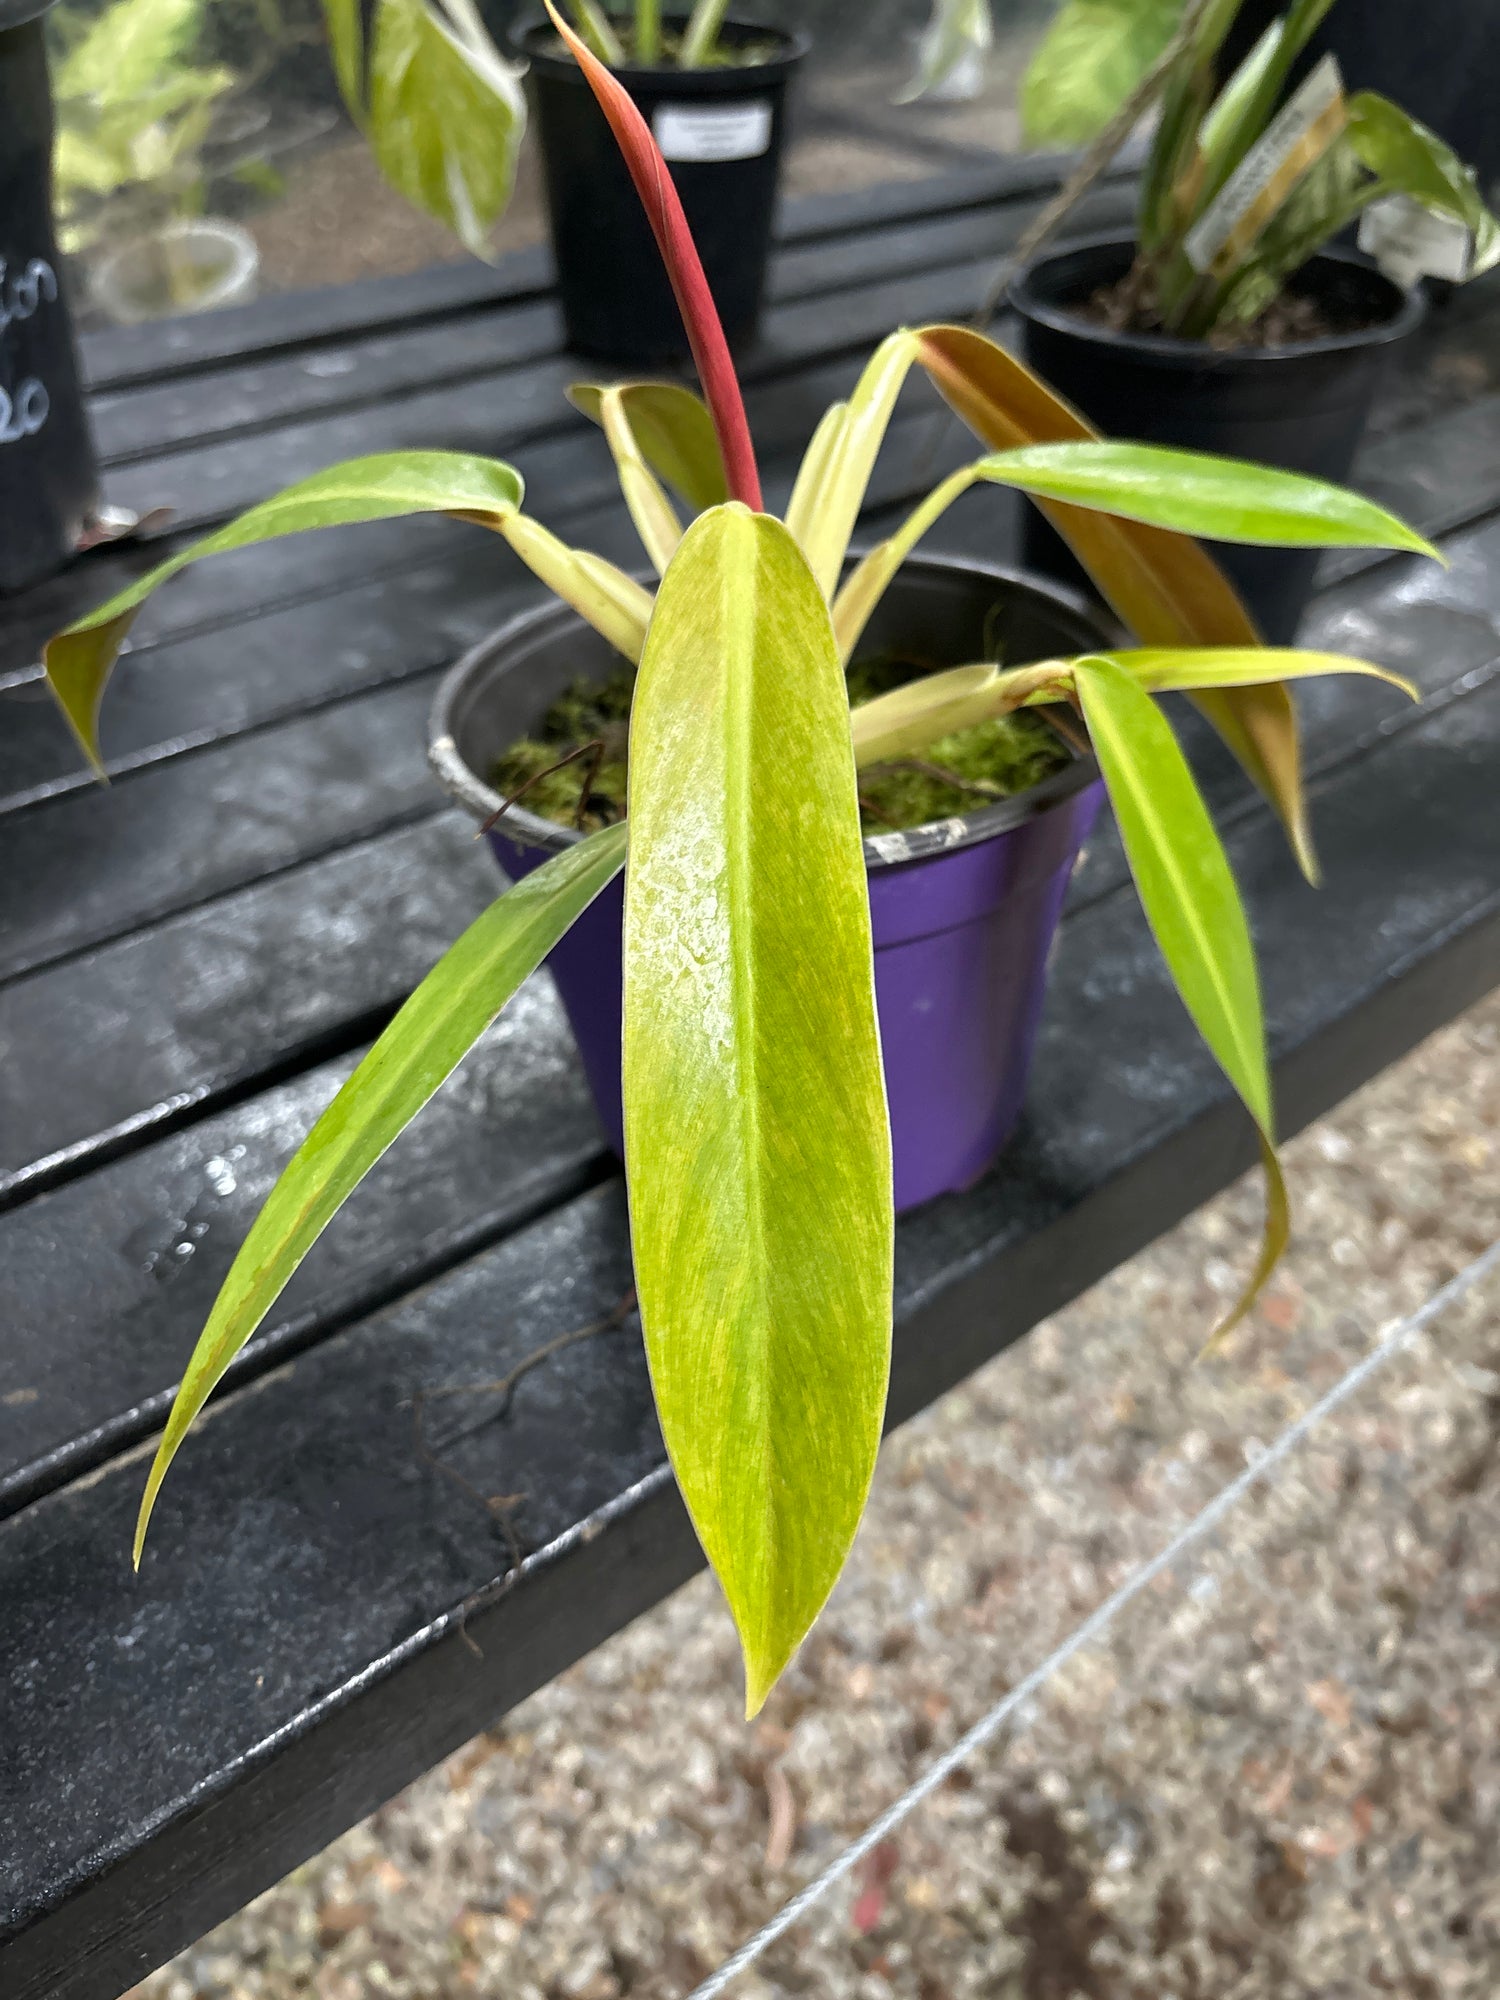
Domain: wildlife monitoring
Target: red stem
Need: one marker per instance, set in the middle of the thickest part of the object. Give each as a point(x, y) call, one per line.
point(653, 183)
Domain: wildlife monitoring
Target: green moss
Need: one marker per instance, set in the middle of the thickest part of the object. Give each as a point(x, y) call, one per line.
point(993, 760)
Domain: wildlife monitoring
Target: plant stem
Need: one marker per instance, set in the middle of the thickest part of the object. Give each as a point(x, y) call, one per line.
point(702, 35)
point(647, 31)
point(594, 26)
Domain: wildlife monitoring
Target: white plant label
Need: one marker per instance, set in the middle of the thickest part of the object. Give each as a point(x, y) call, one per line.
point(713, 131)
point(1409, 242)
point(1302, 131)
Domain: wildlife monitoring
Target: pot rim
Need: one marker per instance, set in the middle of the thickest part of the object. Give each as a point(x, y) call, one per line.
point(1168, 350)
point(792, 45)
point(882, 850)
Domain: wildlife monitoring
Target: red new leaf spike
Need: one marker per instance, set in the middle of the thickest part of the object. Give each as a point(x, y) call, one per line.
point(674, 239)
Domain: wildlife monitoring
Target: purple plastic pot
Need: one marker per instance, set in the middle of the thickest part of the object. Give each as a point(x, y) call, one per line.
point(963, 911)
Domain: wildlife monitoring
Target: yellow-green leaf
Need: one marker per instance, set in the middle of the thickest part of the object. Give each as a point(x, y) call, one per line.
point(1162, 585)
point(1413, 161)
point(1189, 669)
point(425, 1043)
point(756, 1137)
point(673, 431)
point(445, 115)
point(486, 490)
point(612, 602)
point(652, 512)
point(1093, 56)
point(1224, 499)
point(1188, 892)
point(846, 454)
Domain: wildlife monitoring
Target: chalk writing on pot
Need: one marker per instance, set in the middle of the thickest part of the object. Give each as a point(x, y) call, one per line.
point(21, 292)
point(23, 414)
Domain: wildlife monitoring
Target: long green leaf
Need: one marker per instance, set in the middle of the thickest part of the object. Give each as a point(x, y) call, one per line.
point(673, 431)
point(446, 115)
point(1222, 499)
point(649, 508)
point(911, 718)
point(425, 1043)
point(1225, 499)
point(1191, 902)
point(486, 490)
point(1413, 161)
point(756, 1137)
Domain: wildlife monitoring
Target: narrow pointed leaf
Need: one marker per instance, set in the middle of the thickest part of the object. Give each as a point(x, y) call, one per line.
point(807, 488)
point(868, 582)
point(486, 490)
point(756, 1138)
point(1188, 892)
point(425, 1043)
point(612, 602)
point(1167, 589)
point(1224, 499)
point(828, 521)
point(700, 316)
point(445, 116)
point(1189, 669)
point(673, 431)
point(649, 508)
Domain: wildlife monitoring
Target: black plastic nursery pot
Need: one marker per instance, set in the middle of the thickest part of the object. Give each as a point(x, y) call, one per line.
point(1302, 406)
point(721, 129)
point(49, 480)
point(963, 911)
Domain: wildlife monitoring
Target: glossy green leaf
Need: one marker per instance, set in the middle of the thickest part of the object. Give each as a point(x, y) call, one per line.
point(1187, 669)
point(486, 490)
point(445, 114)
point(1191, 902)
point(1223, 499)
point(673, 431)
point(1410, 160)
point(807, 487)
point(756, 1138)
point(423, 1045)
point(598, 31)
point(1093, 56)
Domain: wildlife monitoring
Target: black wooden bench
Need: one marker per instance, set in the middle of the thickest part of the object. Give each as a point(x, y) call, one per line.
point(191, 961)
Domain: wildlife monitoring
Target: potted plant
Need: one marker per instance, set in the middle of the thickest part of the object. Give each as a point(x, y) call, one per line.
point(445, 116)
point(135, 113)
point(49, 479)
point(1227, 323)
point(756, 1134)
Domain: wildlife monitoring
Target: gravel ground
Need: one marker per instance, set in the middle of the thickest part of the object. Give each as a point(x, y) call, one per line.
point(1277, 1775)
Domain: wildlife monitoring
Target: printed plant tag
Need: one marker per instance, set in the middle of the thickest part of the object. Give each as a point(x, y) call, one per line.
point(713, 131)
point(1302, 131)
point(1409, 242)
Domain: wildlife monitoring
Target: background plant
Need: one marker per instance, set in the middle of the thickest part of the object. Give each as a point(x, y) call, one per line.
point(756, 1137)
point(134, 111)
point(1217, 237)
point(443, 110)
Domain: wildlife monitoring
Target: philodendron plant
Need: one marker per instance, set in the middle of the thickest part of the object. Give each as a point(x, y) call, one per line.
point(1244, 181)
point(756, 1140)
